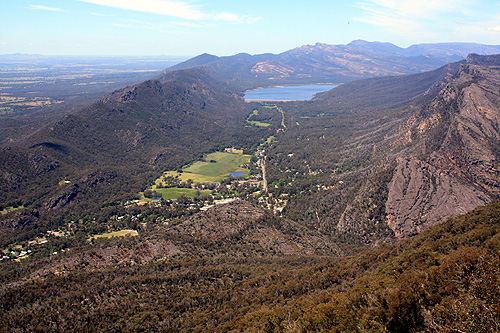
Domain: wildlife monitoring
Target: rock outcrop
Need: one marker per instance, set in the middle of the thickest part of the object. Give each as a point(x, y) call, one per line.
point(421, 195)
point(241, 227)
point(453, 165)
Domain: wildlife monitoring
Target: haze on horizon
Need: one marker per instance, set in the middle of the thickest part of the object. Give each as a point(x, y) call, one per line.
point(223, 27)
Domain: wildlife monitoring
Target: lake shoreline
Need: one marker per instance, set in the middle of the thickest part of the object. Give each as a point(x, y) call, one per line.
point(287, 93)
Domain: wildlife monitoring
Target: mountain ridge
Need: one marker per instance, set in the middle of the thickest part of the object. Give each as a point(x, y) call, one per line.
point(325, 63)
point(422, 149)
point(466, 111)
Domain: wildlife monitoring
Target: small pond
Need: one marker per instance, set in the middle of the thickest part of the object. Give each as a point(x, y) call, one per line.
point(236, 174)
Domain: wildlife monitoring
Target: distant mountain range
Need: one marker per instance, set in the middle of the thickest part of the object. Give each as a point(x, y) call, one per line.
point(324, 63)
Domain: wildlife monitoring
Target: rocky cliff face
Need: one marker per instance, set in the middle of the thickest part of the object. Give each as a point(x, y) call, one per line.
point(421, 195)
point(452, 166)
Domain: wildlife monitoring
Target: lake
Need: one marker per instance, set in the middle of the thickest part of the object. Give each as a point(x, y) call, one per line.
point(288, 93)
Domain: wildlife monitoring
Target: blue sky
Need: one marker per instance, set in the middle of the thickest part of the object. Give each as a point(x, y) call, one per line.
point(226, 27)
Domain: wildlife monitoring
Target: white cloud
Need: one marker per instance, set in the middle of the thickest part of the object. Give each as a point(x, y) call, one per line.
point(178, 9)
point(234, 18)
point(166, 28)
point(413, 8)
point(422, 19)
point(120, 25)
point(45, 8)
point(170, 8)
point(188, 24)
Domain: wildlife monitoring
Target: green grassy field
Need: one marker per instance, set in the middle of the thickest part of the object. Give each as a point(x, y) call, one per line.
point(256, 123)
point(10, 209)
point(222, 164)
point(215, 168)
point(174, 192)
point(120, 233)
point(215, 171)
point(269, 140)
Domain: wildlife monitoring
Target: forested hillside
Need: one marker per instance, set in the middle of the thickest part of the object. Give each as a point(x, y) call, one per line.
point(443, 280)
point(106, 152)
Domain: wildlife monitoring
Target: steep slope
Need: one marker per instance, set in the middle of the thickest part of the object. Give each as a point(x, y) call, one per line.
point(109, 150)
point(386, 157)
point(454, 165)
point(324, 63)
point(244, 228)
point(177, 109)
point(444, 280)
point(337, 154)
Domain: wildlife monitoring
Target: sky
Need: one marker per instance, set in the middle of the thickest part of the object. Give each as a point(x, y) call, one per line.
point(227, 27)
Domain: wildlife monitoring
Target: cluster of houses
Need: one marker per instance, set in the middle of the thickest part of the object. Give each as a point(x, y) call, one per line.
point(252, 182)
point(16, 253)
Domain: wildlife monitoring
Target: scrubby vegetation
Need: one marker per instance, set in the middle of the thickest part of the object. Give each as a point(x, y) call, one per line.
point(444, 280)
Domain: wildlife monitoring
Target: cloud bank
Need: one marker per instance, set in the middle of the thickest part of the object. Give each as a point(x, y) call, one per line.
point(183, 10)
point(431, 19)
